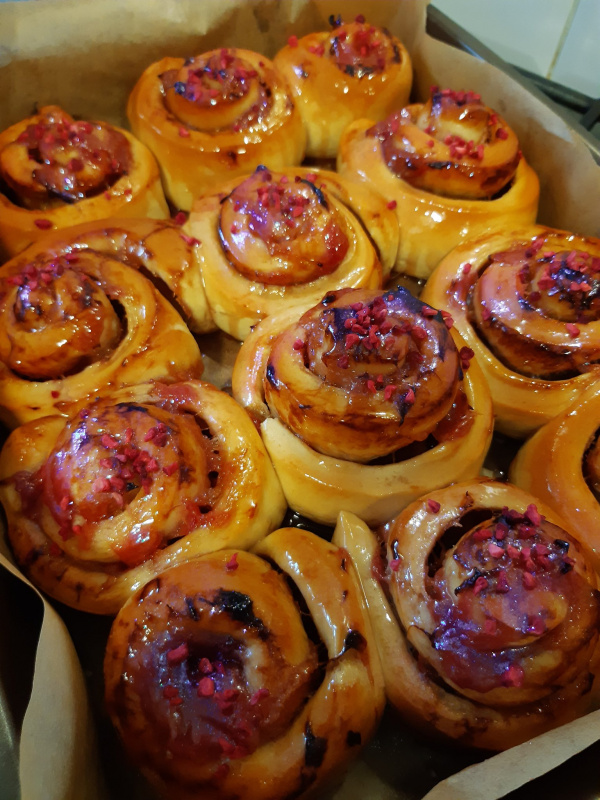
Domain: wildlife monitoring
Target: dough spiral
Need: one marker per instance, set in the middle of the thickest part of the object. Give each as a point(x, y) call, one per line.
point(486, 612)
point(56, 171)
point(246, 675)
point(135, 482)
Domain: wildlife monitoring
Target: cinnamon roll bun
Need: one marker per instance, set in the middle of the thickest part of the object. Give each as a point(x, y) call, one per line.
point(159, 249)
point(452, 168)
point(486, 612)
point(212, 117)
point(526, 303)
point(364, 403)
point(75, 323)
point(149, 476)
point(243, 675)
point(56, 171)
point(272, 238)
point(355, 70)
point(560, 465)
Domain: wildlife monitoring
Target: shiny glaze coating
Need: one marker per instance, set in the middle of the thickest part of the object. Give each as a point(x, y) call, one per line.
point(212, 117)
point(526, 304)
point(452, 145)
point(273, 238)
point(148, 477)
point(487, 613)
point(79, 323)
point(56, 172)
point(431, 223)
point(158, 248)
point(355, 70)
point(218, 687)
point(328, 398)
point(559, 464)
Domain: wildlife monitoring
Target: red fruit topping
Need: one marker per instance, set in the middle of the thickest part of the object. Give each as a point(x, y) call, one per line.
point(533, 515)
point(232, 564)
point(178, 654)
point(513, 676)
point(258, 696)
point(572, 330)
point(206, 687)
point(529, 582)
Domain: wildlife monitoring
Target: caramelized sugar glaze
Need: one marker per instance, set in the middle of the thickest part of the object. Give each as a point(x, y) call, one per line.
point(274, 238)
point(526, 304)
point(100, 502)
point(560, 465)
point(56, 172)
point(212, 117)
point(80, 318)
point(353, 71)
point(246, 675)
point(452, 168)
point(486, 612)
point(363, 376)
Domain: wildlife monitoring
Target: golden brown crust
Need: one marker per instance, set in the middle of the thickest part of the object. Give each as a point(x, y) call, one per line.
point(355, 70)
point(76, 322)
point(559, 464)
point(59, 172)
point(274, 238)
point(159, 249)
point(490, 640)
point(355, 379)
point(440, 192)
point(203, 130)
point(525, 303)
point(218, 691)
point(148, 477)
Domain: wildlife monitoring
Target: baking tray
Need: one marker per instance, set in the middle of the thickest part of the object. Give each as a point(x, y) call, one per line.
point(406, 764)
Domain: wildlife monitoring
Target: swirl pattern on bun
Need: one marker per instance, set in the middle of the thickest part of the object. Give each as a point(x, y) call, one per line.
point(246, 675)
point(212, 117)
point(486, 612)
point(56, 172)
point(76, 323)
point(453, 169)
point(526, 303)
point(355, 70)
point(274, 238)
point(135, 482)
point(363, 390)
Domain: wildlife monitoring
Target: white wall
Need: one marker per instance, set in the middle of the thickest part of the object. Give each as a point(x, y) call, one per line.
point(558, 39)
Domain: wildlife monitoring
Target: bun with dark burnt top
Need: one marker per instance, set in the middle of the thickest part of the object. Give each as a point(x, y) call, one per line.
point(246, 675)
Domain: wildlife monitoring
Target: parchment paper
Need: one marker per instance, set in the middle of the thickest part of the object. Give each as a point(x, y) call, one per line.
point(86, 55)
